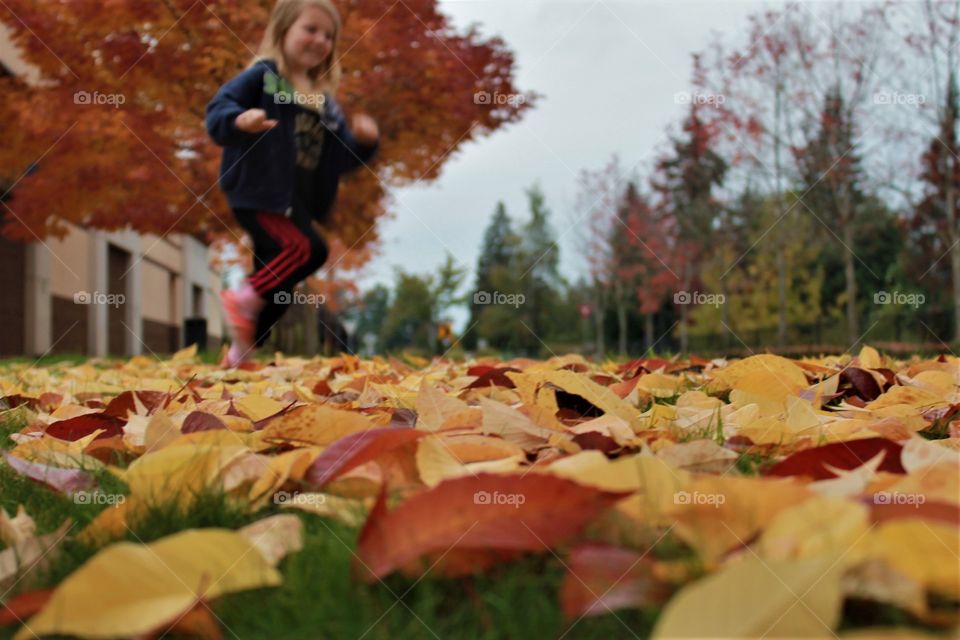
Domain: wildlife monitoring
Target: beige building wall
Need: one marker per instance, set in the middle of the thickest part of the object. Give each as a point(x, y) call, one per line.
point(161, 278)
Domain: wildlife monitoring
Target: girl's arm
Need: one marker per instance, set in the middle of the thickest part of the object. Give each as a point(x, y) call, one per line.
point(351, 152)
point(240, 94)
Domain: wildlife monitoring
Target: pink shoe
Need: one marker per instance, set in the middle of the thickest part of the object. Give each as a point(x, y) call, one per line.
point(242, 326)
point(235, 357)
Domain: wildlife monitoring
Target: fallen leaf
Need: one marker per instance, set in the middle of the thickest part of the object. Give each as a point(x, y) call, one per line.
point(842, 455)
point(754, 598)
point(129, 589)
point(532, 512)
point(275, 537)
point(601, 579)
point(355, 449)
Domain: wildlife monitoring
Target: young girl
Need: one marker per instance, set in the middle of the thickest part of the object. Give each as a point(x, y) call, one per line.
point(285, 142)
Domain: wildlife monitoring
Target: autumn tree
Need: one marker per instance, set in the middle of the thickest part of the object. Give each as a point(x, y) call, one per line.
point(751, 306)
point(114, 121)
point(934, 228)
point(933, 34)
point(595, 212)
point(641, 241)
point(686, 180)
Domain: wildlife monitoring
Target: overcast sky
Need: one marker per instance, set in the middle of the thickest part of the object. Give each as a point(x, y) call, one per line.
point(608, 72)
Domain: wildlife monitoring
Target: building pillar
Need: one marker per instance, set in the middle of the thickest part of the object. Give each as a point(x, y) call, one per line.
point(38, 313)
point(134, 303)
point(97, 313)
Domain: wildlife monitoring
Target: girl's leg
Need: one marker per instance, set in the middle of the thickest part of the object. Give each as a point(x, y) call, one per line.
point(244, 305)
point(302, 252)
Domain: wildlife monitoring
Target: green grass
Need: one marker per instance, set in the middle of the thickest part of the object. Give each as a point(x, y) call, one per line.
point(320, 597)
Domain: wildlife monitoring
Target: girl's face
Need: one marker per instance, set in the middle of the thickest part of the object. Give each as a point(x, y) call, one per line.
point(309, 40)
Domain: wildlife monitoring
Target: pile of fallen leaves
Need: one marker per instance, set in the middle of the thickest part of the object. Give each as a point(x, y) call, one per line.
point(787, 487)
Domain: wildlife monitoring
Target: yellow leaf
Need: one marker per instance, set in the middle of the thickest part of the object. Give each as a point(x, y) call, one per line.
point(715, 514)
point(909, 398)
point(436, 463)
point(770, 392)
point(599, 396)
point(130, 589)
point(753, 598)
point(870, 358)
point(660, 385)
point(785, 371)
point(160, 432)
point(654, 481)
point(434, 407)
point(257, 407)
point(185, 354)
point(508, 423)
point(924, 551)
point(351, 512)
point(439, 458)
point(280, 468)
point(699, 455)
point(814, 527)
point(315, 425)
point(178, 473)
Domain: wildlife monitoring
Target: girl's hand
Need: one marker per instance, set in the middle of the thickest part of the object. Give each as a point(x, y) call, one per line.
point(254, 121)
point(364, 129)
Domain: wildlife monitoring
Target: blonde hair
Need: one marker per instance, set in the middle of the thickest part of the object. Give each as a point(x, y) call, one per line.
point(326, 75)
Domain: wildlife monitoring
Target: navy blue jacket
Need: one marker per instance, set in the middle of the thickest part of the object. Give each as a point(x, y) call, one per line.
point(258, 169)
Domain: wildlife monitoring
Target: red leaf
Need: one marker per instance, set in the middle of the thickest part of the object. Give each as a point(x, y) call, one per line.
point(492, 377)
point(938, 511)
point(322, 388)
point(596, 440)
point(646, 365)
point(124, 402)
point(14, 401)
point(355, 449)
point(603, 578)
point(81, 426)
point(624, 388)
point(864, 384)
point(19, 608)
point(201, 421)
point(842, 455)
point(532, 512)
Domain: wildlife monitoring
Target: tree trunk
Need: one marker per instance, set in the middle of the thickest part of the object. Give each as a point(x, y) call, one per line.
point(622, 320)
point(648, 332)
point(781, 256)
point(725, 316)
point(853, 322)
point(598, 317)
point(954, 238)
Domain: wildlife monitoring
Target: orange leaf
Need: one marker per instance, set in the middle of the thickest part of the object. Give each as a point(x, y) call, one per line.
point(355, 449)
point(531, 512)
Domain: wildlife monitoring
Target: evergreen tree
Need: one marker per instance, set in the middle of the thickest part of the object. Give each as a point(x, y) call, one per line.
point(832, 190)
point(540, 276)
point(497, 252)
